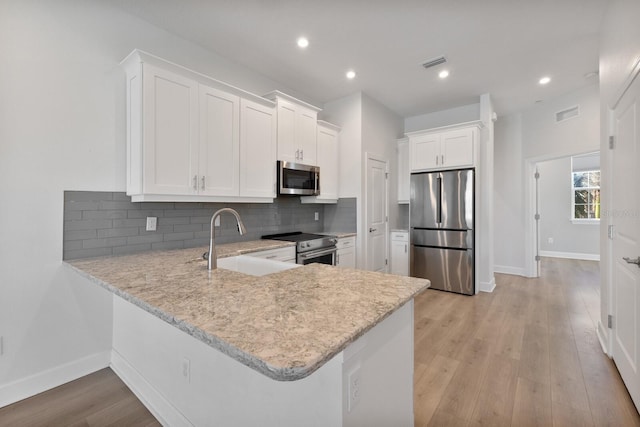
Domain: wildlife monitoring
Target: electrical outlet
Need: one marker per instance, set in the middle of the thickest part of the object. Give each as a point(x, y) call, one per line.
point(355, 390)
point(550, 240)
point(317, 216)
point(152, 223)
point(186, 369)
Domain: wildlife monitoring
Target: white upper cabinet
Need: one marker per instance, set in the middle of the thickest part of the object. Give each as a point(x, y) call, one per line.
point(219, 143)
point(257, 150)
point(297, 127)
point(169, 126)
point(193, 138)
point(448, 147)
point(404, 173)
point(327, 150)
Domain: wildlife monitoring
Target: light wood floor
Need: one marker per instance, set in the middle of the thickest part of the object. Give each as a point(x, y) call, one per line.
point(524, 355)
point(97, 400)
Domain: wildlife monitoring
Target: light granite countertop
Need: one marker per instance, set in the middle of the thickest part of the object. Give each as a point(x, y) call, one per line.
point(285, 325)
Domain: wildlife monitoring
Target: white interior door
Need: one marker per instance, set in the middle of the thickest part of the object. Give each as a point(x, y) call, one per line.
point(626, 243)
point(376, 232)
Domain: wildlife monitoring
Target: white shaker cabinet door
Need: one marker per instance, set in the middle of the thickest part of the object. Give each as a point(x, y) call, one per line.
point(425, 152)
point(457, 148)
point(306, 130)
point(170, 109)
point(257, 150)
point(404, 173)
point(286, 140)
point(219, 143)
point(328, 162)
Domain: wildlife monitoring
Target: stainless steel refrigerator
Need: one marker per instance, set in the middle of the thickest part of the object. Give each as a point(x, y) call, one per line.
point(442, 237)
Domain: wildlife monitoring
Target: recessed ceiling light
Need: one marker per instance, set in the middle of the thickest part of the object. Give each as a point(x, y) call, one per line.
point(351, 74)
point(443, 74)
point(544, 80)
point(303, 42)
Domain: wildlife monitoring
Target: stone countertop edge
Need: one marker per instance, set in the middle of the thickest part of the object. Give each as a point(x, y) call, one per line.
point(284, 374)
point(279, 373)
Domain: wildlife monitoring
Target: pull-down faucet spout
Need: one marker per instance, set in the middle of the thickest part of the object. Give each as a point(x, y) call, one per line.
point(212, 262)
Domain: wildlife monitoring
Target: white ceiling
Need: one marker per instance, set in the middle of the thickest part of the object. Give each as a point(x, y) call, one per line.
point(501, 47)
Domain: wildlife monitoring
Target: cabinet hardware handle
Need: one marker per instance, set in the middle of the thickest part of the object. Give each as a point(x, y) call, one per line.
point(405, 248)
point(437, 160)
point(297, 154)
point(272, 256)
point(371, 230)
point(202, 184)
point(195, 182)
point(442, 162)
point(301, 154)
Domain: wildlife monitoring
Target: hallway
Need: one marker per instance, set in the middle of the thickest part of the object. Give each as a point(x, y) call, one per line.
point(526, 354)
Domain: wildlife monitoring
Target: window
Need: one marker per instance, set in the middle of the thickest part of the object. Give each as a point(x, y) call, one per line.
point(586, 194)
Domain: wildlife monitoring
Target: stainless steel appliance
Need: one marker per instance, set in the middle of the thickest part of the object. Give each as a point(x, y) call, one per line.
point(310, 248)
point(442, 238)
point(298, 179)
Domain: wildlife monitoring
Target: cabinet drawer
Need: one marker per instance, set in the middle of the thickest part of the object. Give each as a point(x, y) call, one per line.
point(346, 242)
point(287, 254)
point(400, 236)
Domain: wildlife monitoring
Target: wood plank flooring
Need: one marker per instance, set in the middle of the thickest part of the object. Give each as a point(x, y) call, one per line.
point(524, 355)
point(97, 400)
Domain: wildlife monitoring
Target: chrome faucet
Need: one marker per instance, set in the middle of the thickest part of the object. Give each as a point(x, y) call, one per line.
point(212, 262)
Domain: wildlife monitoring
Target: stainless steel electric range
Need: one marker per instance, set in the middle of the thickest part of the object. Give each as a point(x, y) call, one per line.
point(310, 248)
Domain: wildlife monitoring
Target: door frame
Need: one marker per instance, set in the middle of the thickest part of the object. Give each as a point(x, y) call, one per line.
point(606, 243)
point(531, 234)
point(368, 157)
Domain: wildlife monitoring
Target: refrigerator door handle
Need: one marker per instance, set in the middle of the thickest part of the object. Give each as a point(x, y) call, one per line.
point(439, 207)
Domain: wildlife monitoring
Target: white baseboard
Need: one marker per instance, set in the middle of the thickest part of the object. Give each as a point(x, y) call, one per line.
point(152, 399)
point(506, 269)
point(571, 255)
point(603, 337)
point(488, 286)
point(18, 390)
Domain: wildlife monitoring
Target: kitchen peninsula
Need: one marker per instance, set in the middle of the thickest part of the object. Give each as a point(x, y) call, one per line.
point(311, 345)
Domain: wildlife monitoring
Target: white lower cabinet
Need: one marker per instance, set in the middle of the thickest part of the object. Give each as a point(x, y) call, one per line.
point(400, 253)
point(346, 255)
point(287, 254)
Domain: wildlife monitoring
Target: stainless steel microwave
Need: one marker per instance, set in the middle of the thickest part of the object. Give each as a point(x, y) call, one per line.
point(298, 179)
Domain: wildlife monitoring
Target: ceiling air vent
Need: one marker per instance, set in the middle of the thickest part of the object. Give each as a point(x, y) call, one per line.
point(567, 114)
point(435, 61)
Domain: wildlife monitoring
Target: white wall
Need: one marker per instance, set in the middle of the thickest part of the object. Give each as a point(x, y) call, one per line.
point(381, 128)
point(619, 53)
point(543, 138)
point(452, 116)
point(508, 195)
point(347, 113)
point(581, 241)
point(522, 140)
point(62, 127)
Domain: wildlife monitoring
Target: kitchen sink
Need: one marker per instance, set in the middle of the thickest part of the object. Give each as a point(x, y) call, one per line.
point(254, 266)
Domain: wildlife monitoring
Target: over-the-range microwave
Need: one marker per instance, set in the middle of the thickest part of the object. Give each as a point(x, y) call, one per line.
point(298, 179)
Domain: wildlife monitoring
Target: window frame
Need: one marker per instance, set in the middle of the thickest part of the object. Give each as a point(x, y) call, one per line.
point(575, 220)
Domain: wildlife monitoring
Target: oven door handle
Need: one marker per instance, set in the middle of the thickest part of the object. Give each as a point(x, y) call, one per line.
point(319, 252)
